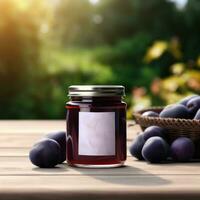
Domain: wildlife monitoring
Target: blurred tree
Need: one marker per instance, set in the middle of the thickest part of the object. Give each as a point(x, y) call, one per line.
point(183, 79)
point(19, 55)
point(109, 21)
point(132, 16)
point(190, 34)
point(160, 18)
point(73, 21)
point(117, 20)
point(119, 32)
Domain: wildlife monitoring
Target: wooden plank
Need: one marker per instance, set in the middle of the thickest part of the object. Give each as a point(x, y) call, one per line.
point(42, 126)
point(100, 183)
point(14, 151)
point(18, 143)
point(25, 133)
point(24, 151)
point(27, 140)
point(19, 179)
point(31, 126)
point(19, 140)
point(21, 151)
point(22, 166)
point(94, 187)
point(53, 194)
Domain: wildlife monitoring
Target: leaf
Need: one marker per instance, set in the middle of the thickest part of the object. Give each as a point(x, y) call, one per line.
point(155, 51)
point(177, 68)
point(198, 61)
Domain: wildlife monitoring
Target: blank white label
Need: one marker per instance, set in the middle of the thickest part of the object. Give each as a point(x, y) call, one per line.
point(96, 133)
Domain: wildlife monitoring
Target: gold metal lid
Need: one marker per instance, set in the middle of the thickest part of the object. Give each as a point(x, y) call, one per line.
point(96, 90)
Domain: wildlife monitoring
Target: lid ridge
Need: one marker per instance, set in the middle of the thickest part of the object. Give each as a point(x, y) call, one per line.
point(96, 90)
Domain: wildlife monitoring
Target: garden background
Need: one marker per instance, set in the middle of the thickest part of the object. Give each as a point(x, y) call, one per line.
point(151, 47)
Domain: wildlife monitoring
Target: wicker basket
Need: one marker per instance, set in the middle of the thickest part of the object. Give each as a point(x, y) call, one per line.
point(175, 127)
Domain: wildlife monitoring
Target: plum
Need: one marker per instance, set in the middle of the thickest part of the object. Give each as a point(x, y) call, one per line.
point(150, 114)
point(182, 149)
point(193, 105)
point(185, 100)
point(155, 150)
point(175, 111)
point(136, 147)
point(197, 116)
point(60, 137)
point(154, 131)
point(197, 149)
point(45, 153)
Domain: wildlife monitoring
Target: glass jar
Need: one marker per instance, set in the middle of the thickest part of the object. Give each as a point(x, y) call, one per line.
point(96, 126)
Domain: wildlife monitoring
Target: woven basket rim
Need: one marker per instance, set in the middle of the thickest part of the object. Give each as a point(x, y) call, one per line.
point(138, 114)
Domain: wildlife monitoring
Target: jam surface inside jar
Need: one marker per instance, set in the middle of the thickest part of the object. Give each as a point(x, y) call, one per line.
point(96, 128)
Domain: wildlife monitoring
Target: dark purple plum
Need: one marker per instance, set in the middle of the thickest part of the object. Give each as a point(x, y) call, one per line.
point(155, 150)
point(197, 149)
point(150, 114)
point(175, 111)
point(45, 153)
point(60, 137)
point(182, 149)
point(185, 100)
point(152, 131)
point(136, 147)
point(193, 106)
point(197, 116)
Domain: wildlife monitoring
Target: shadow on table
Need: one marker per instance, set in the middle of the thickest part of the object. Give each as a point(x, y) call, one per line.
point(57, 169)
point(126, 175)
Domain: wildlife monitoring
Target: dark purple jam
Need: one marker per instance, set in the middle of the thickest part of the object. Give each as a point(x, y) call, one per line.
point(96, 128)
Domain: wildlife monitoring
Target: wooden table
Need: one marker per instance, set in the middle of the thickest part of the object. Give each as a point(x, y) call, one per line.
point(19, 179)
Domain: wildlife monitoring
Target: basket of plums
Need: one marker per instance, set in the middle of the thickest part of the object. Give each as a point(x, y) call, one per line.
point(170, 133)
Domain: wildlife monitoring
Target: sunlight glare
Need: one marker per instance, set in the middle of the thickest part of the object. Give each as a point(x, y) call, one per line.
point(180, 3)
point(94, 1)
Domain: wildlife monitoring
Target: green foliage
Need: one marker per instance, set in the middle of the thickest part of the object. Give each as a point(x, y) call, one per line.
point(125, 59)
point(109, 21)
point(72, 17)
point(150, 47)
point(21, 67)
point(183, 78)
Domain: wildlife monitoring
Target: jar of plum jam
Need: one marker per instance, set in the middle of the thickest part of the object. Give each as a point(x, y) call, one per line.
point(96, 126)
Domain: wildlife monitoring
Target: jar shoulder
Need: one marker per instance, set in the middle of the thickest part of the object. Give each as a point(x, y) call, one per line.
point(87, 103)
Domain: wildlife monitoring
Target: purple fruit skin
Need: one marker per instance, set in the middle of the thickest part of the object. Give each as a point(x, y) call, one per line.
point(197, 149)
point(136, 147)
point(155, 150)
point(45, 153)
point(60, 137)
point(150, 114)
point(186, 99)
point(175, 111)
point(182, 149)
point(152, 131)
point(194, 105)
point(197, 116)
